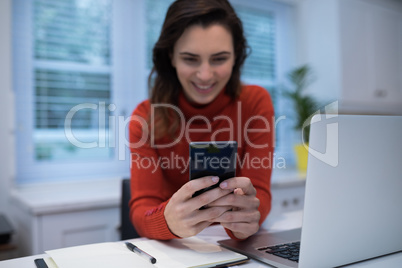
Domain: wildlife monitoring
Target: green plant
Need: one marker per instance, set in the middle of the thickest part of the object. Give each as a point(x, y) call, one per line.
point(304, 104)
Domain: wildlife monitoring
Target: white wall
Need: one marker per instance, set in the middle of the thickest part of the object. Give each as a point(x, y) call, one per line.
point(7, 151)
point(349, 65)
point(318, 45)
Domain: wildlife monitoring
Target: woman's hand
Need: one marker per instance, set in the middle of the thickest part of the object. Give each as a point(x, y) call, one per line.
point(182, 213)
point(243, 219)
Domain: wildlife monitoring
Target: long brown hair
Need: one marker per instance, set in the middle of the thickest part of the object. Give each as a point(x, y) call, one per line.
point(180, 15)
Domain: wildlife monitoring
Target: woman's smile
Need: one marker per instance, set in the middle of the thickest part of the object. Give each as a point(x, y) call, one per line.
point(203, 89)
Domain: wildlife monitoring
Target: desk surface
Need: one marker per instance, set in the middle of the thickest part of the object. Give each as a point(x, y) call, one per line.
point(216, 232)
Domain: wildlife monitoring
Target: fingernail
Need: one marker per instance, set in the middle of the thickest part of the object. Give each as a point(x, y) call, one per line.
point(224, 185)
point(215, 179)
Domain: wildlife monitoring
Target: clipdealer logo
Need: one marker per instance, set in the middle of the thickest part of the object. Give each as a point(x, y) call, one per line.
point(115, 135)
point(330, 155)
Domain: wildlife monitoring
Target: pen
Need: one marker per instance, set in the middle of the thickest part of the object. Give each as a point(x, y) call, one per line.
point(139, 251)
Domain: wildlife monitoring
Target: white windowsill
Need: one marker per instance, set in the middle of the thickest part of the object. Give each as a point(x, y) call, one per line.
point(68, 196)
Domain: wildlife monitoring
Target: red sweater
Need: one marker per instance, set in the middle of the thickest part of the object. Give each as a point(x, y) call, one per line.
point(157, 173)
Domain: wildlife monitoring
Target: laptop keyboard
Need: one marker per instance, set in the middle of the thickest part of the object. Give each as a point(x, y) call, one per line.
point(288, 251)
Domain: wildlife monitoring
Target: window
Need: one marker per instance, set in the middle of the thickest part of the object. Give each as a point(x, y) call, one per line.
point(71, 69)
point(71, 87)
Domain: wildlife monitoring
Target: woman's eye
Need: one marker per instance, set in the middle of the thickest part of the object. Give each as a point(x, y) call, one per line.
point(190, 60)
point(219, 60)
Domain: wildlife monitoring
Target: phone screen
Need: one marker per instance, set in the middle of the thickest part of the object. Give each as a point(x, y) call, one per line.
point(213, 158)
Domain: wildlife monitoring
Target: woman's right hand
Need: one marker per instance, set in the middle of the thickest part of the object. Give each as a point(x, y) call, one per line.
point(182, 213)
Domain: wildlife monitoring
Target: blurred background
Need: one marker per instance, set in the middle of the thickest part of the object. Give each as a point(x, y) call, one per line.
point(72, 72)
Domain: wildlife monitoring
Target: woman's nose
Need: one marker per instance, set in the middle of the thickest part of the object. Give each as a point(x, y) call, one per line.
point(205, 72)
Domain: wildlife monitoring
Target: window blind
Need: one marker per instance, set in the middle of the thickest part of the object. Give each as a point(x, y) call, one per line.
point(57, 92)
point(259, 67)
point(72, 31)
point(259, 29)
point(72, 44)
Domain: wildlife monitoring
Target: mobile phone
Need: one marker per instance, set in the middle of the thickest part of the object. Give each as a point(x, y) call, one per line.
point(212, 158)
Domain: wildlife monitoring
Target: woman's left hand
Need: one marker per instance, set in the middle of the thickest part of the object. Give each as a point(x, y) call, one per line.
point(243, 219)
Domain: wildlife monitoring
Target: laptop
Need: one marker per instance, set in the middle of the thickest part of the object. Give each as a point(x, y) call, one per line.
point(353, 197)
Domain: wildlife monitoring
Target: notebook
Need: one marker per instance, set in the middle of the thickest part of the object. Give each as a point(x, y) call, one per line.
point(176, 253)
point(353, 198)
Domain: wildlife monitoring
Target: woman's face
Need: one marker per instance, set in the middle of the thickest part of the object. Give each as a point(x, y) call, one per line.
point(204, 59)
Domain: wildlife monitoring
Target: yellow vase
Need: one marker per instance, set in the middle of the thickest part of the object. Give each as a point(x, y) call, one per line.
point(301, 157)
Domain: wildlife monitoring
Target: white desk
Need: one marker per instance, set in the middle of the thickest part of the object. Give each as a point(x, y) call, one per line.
point(215, 233)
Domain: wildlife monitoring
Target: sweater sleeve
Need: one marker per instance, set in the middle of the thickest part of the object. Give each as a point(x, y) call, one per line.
point(256, 160)
point(148, 188)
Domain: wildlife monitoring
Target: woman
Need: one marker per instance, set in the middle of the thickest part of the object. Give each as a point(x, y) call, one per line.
point(197, 96)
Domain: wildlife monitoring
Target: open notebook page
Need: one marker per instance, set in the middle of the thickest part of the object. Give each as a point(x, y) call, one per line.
point(188, 252)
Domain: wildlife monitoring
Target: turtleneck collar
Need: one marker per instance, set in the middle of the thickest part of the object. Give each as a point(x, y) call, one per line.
point(209, 110)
